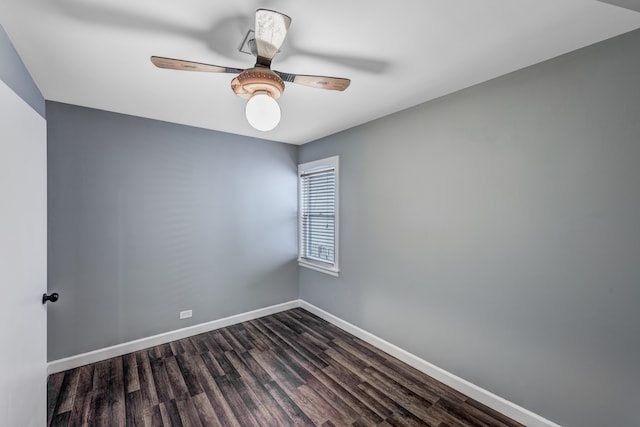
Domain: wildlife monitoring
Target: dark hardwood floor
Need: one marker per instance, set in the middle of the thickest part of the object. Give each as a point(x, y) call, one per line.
point(290, 368)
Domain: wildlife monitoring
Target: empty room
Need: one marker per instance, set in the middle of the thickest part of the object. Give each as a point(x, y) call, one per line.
point(412, 213)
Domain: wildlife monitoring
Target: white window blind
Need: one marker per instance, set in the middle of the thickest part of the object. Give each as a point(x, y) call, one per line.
point(318, 215)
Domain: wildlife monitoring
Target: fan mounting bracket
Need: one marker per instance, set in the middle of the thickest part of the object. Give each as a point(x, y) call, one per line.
point(248, 44)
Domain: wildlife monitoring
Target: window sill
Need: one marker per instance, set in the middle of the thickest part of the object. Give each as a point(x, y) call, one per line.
point(331, 271)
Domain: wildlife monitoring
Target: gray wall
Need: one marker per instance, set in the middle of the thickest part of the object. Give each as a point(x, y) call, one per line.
point(147, 219)
point(495, 233)
point(15, 75)
point(629, 4)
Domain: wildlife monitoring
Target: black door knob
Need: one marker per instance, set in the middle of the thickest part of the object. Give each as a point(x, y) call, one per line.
point(53, 297)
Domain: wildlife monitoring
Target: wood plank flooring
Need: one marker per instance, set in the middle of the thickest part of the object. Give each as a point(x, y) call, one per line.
point(287, 369)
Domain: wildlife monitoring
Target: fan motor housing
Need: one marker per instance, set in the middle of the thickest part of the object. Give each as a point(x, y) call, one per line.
point(257, 79)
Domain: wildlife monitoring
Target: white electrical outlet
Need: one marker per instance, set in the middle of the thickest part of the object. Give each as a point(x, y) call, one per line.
point(186, 314)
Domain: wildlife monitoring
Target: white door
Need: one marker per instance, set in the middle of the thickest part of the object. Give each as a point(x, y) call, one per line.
point(23, 262)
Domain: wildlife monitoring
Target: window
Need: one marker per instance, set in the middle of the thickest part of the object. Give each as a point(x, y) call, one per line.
point(318, 215)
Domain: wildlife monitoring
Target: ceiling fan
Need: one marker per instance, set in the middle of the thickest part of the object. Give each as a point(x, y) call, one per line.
point(260, 84)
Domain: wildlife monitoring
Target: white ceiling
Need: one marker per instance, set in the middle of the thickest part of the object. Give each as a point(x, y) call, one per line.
point(95, 53)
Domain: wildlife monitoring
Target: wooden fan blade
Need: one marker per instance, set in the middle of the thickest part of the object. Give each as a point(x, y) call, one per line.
point(179, 64)
point(319, 82)
point(270, 32)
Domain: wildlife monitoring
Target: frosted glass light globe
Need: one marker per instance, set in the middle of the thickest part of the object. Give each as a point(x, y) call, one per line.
point(262, 111)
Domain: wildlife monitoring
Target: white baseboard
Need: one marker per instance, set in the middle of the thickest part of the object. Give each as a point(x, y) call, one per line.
point(483, 396)
point(131, 346)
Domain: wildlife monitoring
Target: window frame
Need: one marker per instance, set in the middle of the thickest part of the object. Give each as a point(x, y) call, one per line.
point(328, 163)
